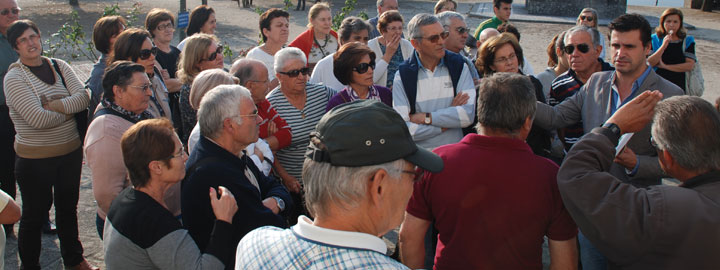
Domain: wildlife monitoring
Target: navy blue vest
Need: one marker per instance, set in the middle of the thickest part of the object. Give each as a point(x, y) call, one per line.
point(409, 74)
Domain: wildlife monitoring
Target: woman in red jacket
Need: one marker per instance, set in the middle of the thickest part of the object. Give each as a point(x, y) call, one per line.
point(319, 40)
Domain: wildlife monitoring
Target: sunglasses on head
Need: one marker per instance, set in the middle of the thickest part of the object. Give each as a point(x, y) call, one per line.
point(7, 11)
point(214, 55)
point(145, 53)
point(587, 18)
point(294, 73)
point(435, 38)
point(583, 48)
point(362, 68)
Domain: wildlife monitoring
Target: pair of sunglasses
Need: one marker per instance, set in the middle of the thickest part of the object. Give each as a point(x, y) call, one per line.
point(583, 48)
point(214, 55)
point(362, 68)
point(587, 18)
point(435, 38)
point(145, 53)
point(7, 11)
point(462, 30)
point(294, 73)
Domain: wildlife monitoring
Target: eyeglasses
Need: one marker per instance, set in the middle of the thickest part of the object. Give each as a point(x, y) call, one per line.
point(7, 11)
point(393, 29)
point(214, 55)
point(253, 114)
point(462, 30)
point(33, 37)
point(145, 53)
point(583, 48)
point(167, 26)
point(144, 87)
point(435, 38)
point(362, 68)
point(587, 18)
point(180, 153)
point(508, 59)
point(294, 73)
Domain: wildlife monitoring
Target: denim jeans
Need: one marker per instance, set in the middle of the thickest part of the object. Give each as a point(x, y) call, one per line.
point(590, 257)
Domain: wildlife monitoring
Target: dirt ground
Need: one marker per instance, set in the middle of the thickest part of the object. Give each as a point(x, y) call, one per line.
point(238, 28)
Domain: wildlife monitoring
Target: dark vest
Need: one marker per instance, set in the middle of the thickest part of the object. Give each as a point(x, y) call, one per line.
point(409, 74)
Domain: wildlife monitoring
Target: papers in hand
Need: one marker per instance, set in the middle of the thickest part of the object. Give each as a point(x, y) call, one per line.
point(624, 139)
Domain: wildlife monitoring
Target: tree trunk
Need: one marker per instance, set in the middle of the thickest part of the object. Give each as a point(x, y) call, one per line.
point(707, 5)
point(696, 4)
point(74, 3)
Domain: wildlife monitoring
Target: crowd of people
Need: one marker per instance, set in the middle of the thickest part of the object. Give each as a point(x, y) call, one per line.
point(302, 155)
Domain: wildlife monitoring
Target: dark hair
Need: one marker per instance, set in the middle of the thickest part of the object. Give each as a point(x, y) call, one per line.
point(351, 25)
point(147, 141)
point(552, 56)
point(660, 30)
point(629, 22)
point(441, 4)
point(198, 18)
point(505, 101)
point(496, 3)
point(155, 17)
point(267, 17)
point(128, 44)
point(486, 53)
point(509, 28)
point(388, 17)
point(347, 57)
point(16, 30)
point(105, 28)
point(119, 73)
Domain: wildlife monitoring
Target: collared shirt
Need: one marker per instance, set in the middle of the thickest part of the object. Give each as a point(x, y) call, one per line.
point(7, 57)
point(493, 22)
point(615, 102)
point(306, 246)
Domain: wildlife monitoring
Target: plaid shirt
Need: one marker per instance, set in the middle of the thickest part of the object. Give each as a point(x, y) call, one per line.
point(306, 246)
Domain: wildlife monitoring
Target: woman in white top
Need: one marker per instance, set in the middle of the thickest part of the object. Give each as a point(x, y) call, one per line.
point(274, 29)
point(390, 48)
point(202, 20)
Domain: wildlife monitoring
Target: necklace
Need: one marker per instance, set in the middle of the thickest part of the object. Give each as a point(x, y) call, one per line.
point(322, 48)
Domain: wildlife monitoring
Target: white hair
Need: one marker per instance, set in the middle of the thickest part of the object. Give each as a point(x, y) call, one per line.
point(218, 104)
point(287, 54)
point(446, 17)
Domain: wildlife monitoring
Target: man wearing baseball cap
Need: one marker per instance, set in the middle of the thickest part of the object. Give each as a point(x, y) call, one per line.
point(359, 172)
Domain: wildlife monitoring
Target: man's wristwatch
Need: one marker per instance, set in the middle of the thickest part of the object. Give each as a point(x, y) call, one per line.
point(280, 203)
point(614, 128)
point(428, 119)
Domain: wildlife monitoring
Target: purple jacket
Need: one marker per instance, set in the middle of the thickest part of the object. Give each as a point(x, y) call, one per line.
point(343, 97)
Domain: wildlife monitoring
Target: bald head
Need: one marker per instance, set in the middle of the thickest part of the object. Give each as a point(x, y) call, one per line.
point(487, 34)
point(253, 75)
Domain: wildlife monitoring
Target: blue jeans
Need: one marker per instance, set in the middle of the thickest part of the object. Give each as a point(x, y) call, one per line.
point(590, 257)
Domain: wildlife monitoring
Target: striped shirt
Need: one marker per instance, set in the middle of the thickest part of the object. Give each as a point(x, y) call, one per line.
point(301, 122)
point(42, 133)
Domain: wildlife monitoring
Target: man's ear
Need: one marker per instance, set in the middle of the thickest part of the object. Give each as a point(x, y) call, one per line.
point(415, 43)
point(377, 186)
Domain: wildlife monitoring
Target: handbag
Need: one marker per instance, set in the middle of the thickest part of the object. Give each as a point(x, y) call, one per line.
point(81, 118)
point(694, 82)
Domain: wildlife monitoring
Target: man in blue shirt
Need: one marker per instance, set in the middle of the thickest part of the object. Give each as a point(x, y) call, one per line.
point(382, 6)
point(9, 13)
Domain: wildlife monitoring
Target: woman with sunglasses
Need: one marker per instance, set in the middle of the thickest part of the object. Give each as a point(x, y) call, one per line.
point(353, 66)
point(42, 96)
point(502, 53)
point(134, 45)
point(391, 46)
point(202, 20)
point(445, 5)
point(302, 105)
point(589, 18)
point(669, 56)
point(202, 52)
point(319, 40)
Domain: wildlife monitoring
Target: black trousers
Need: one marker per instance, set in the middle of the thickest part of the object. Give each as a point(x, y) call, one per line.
point(7, 155)
point(41, 182)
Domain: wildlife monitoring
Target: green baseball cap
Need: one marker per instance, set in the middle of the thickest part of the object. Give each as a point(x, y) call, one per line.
point(364, 133)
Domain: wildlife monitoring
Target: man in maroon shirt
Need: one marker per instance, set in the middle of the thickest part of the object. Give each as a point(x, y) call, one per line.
point(495, 199)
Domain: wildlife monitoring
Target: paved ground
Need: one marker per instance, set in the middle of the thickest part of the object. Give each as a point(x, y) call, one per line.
point(238, 28)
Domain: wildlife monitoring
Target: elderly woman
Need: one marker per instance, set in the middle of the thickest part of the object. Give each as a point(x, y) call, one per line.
point(319, 40)
point(155, 161)
point(105, 33)
point(589, 18)
point(202, 20)
point(445, 5)
point(274, 29)
point(203, 52)
point(42, 96)
point(301, 104)
point(134, 45)
point(391, 46)
point(502, 53)
point(354, 65)
point(352, 29)
point(669, 56)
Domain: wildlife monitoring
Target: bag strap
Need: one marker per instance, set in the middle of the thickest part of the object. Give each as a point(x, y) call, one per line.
point(57, 69)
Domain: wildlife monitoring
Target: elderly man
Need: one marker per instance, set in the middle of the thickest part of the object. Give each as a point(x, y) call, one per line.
point(601, 96)
point(502, 10)
point(358, 178)
point(382, 6)
point(582, 48)
point(467, 194)
point(228, 123)
point(454, 23)
point(662, 227)
point(9, 11)
point(352, 29)
point(433, 90)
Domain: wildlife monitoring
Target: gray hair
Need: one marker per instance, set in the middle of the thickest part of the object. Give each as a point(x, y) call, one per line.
point(220, 103)
point(594, 34)
point(446, 17)
point(352, 25)
point(505, 100)
point(340, 186)
point(419, 21)
point(244, 69)
point(380, 3)
point(285, 55)
point(206, 80)
point(689, 129)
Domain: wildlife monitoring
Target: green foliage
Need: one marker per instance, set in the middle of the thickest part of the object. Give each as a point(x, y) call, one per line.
point(345, 12)
point(131, 16)
point(288, 5)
